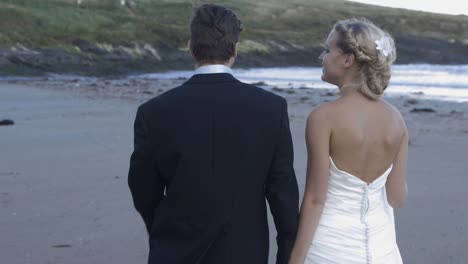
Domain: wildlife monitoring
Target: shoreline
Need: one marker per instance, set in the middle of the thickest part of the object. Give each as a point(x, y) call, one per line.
point(448, 82)
point(139, 88)
point(419, 112)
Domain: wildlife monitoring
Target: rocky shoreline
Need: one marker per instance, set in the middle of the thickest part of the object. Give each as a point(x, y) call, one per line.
point(142, 89)
point(88, 59)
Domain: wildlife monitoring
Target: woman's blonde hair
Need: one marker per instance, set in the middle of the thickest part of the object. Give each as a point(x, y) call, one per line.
point(358, 37)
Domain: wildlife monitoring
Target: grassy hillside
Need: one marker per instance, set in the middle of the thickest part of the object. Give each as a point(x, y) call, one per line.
point(51, 23)
point(276, 32)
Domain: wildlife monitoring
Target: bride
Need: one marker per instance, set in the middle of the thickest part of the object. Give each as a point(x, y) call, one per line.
point(357, 152)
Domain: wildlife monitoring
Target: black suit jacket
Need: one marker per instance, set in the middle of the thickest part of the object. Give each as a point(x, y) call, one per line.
point(206, 155)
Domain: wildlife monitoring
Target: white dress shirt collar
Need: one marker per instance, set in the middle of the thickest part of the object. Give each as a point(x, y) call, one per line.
point(213, 68)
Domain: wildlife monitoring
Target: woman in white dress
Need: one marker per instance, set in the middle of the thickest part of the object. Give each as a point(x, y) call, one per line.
point(357, 152)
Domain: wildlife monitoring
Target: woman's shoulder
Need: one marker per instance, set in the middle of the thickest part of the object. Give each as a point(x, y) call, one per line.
point(324, 108)
point(393, 111)
point(324, 113)
point(397, 122)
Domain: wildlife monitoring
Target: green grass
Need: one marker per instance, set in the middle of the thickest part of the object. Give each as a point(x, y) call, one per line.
point(52, 23)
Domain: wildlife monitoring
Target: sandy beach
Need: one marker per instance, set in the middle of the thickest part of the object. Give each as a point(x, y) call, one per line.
point(63, 171)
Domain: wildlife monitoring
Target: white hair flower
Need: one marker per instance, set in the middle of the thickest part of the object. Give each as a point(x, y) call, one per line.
point(384, 46)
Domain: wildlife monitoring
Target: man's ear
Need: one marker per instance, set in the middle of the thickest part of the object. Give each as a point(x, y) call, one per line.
point(235, 50)
point(231, 60)
point(349, 60)
point(189, 47)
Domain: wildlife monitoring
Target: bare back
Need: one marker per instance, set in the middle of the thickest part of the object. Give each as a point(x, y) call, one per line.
point(365, 136)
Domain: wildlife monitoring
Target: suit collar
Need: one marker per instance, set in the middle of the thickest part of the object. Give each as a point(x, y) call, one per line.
point(212, 78)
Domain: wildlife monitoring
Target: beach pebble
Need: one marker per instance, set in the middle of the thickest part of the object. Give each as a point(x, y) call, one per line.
point(61, 246)
point(328, 94)
point(455, 112)
point(7, 122)
point(261, 83)
point(276, 89)
point(422, 110)
point(411, 102)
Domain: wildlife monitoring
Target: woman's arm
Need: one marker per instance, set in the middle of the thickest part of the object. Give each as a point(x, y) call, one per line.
point(318, 133)
point(396, 183)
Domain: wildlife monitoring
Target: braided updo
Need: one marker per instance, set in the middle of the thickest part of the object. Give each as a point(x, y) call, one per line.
point(358, 36)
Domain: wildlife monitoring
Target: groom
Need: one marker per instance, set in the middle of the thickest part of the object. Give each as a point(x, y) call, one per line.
point(208, 153)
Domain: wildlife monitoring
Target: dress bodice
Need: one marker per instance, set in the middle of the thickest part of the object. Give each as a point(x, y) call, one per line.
point(350, 195)
point(357, 223)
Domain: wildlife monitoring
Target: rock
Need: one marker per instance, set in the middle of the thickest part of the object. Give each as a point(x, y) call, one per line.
point(276, 89)
point(261, 83)
point(329, 94)
point(85, 46)
point(7, 122)
point(62, 246)
point(411, 102)
point(422, 110)
point(4, 61)
point(454, 112)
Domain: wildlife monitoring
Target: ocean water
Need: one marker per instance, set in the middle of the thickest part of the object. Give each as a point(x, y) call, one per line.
point(440, 82)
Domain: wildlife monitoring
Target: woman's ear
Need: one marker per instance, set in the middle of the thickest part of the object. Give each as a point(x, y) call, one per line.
point(349, 60)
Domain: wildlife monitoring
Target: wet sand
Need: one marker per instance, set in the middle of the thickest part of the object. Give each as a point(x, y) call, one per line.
point(64, 163)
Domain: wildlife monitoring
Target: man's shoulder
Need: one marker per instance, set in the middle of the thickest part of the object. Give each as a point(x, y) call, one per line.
point(262, 93)
point(160, 99)
point(250, 91)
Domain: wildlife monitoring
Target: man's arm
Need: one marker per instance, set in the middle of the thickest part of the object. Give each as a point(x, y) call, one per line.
point(282, 190)
point(145, 184)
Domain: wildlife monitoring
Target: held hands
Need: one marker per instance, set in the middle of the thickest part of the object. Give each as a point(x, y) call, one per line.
point(296, 261)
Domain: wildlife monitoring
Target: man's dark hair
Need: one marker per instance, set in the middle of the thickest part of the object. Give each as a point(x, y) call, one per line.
point(214, 32)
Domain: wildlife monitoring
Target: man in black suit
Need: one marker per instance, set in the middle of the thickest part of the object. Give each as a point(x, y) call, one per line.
point(208, 153)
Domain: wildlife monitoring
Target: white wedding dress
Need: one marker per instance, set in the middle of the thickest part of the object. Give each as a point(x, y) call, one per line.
point(357, 224)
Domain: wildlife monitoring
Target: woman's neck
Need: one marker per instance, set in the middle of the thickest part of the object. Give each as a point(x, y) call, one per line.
point(350, 82)
point(349, 87)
